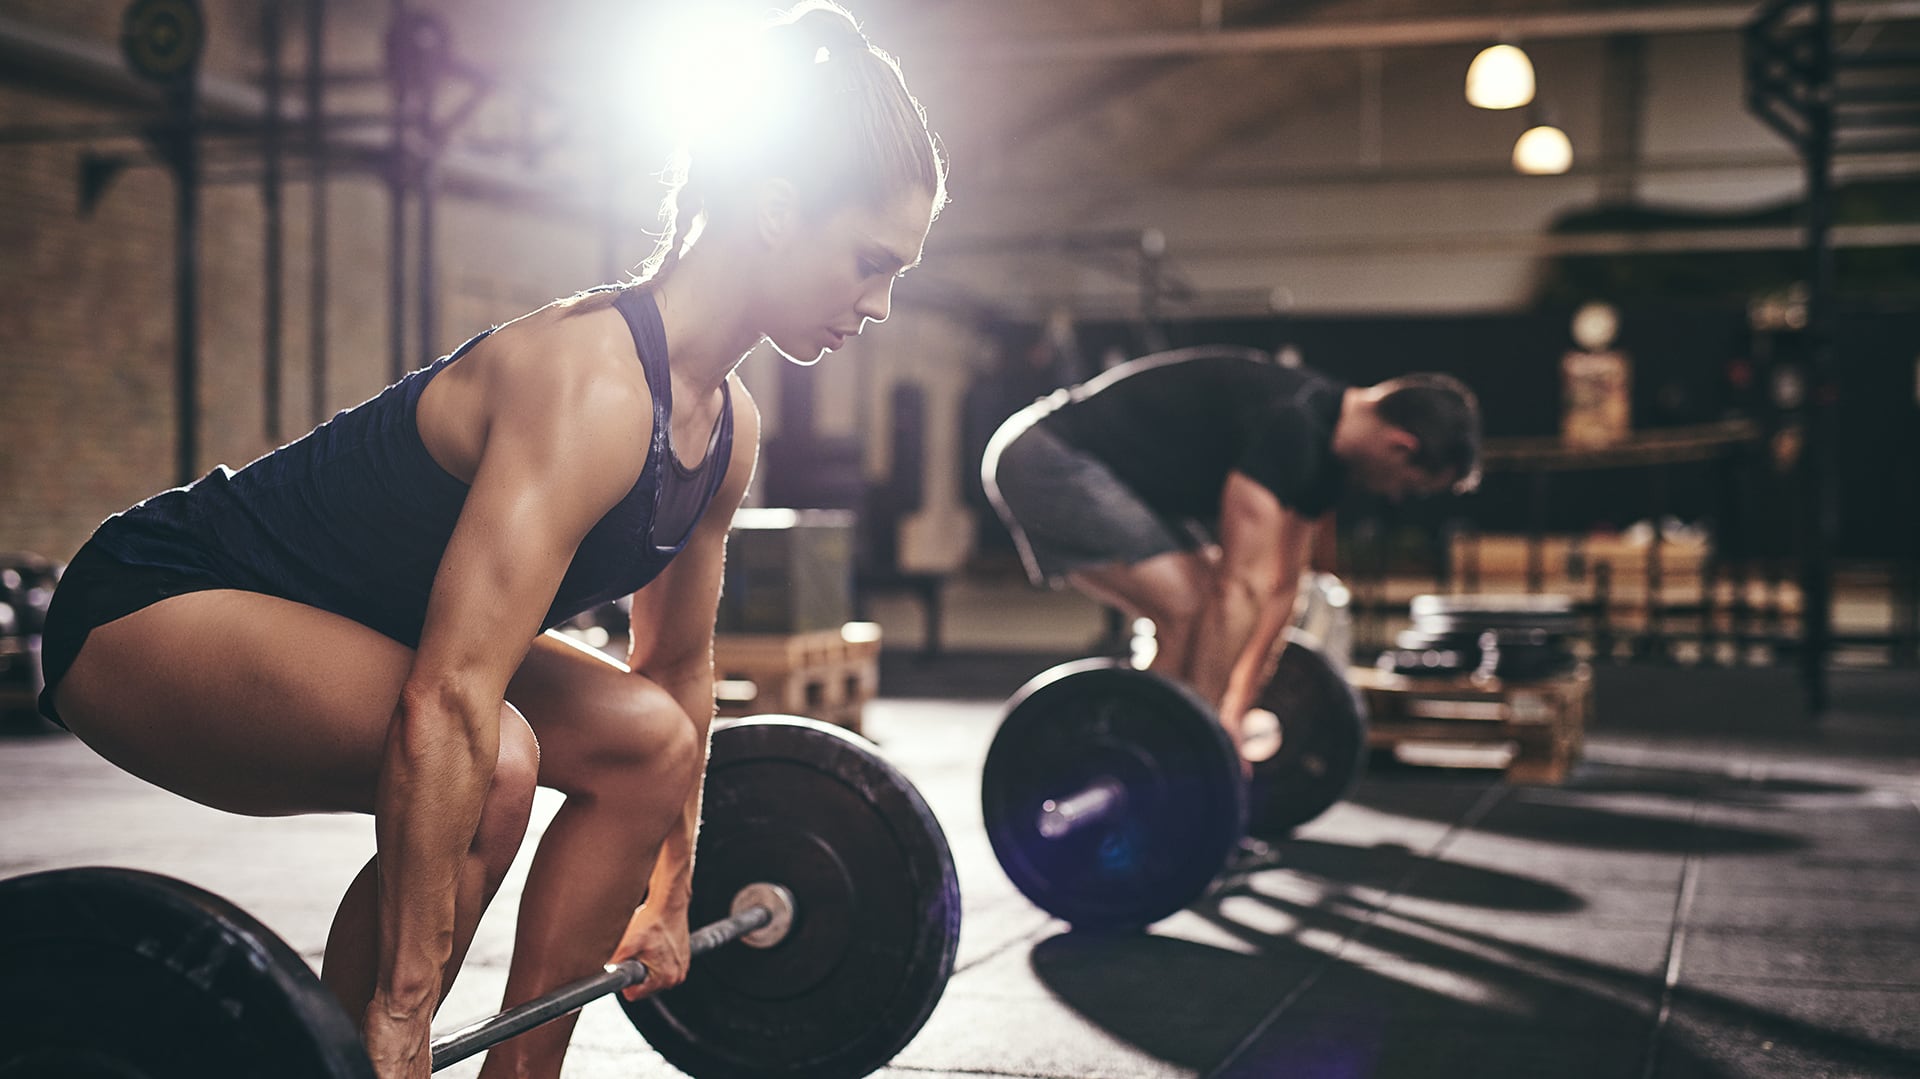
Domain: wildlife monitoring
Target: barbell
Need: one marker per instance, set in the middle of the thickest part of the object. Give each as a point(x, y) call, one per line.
point(1113, 797)
point(819, 860)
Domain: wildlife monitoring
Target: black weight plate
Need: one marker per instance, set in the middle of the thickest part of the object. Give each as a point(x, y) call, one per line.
point(798, 803)
point(1323, 743)
point(1185, 809)
point(117, 972)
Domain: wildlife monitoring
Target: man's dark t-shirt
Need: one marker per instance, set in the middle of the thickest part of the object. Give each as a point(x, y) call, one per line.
point(1172, 426)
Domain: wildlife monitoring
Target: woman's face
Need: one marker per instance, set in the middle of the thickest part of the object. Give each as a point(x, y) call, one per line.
point(835, 274)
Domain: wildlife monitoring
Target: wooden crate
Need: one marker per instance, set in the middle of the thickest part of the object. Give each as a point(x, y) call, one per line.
point(1500, 562)
point(1534, 729)
point(827, 674)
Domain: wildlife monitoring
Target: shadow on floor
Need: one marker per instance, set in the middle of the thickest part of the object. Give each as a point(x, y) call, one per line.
point(1576, 825)
point(1598, 777)
point(1800, 1048)
point(1290, 1005)
point(1394, 868)
point(1349, 990)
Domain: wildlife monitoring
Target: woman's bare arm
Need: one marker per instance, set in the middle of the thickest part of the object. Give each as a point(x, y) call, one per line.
point(672, 642)
point(562, 435)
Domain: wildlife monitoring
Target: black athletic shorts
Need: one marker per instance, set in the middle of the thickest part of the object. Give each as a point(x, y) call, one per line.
point(97, 588)
point(1065, 508)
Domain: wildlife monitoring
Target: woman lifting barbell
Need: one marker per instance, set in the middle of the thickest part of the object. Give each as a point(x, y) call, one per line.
point(354, 622)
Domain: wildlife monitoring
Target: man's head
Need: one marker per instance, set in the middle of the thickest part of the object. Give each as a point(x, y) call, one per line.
point(1414, 435)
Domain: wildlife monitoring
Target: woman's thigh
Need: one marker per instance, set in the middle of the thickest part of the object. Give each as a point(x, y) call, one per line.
point(594, 718)
point(241, 701)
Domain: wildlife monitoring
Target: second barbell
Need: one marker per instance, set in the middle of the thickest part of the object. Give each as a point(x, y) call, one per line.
point(1113, 797)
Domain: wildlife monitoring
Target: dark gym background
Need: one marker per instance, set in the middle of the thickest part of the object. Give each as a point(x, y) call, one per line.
point(198, 265)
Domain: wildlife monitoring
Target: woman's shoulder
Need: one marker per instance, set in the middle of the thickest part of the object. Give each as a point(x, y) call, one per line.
point(558, 377)
point(563, 350)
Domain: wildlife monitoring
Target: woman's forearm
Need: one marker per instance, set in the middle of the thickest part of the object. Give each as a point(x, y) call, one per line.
point(672, 880)
point(439, 761)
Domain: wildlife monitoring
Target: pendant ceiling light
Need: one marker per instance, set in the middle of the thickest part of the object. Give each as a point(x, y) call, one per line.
point(1501, 77)
point(1543, 150)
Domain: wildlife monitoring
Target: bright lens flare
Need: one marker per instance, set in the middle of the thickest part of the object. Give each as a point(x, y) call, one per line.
point(712, 77)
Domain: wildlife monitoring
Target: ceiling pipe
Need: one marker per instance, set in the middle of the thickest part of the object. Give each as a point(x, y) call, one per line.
point(1391, 33)
point(47, 60)
point(1530, 244)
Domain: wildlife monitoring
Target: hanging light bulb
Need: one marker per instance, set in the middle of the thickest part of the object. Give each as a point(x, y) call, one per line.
point(1501, 77)
point(1542, 150)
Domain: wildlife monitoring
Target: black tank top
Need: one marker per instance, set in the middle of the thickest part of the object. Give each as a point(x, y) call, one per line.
point(354, 516)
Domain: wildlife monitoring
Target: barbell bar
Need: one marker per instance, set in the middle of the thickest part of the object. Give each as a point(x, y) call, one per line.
point(759, 906)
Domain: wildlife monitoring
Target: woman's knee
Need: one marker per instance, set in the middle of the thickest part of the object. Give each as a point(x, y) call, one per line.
point(668, 743)
point(641, 741)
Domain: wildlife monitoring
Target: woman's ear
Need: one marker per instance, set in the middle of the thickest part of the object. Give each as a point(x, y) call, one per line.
point(776, 212)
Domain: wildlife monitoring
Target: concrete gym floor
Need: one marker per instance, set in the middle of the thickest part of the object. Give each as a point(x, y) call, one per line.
point(1690, 903)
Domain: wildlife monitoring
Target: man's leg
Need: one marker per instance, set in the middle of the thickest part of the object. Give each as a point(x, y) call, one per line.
point(1166, 589)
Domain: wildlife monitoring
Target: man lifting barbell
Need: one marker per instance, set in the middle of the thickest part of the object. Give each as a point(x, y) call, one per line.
point(1113, 796)
point(1184, 488)
point(354, 622)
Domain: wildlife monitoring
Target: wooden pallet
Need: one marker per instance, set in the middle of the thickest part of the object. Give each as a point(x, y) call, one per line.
point(1535, 730)
point(827, 675)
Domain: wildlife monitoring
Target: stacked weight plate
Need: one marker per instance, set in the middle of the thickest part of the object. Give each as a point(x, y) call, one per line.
point(1514, 638)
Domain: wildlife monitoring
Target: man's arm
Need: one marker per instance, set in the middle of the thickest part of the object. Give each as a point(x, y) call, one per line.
point(672, 644)
point(1256, 662)
point(1263, 548)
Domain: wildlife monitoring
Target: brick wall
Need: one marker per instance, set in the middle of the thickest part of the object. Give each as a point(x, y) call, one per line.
point(87, 414)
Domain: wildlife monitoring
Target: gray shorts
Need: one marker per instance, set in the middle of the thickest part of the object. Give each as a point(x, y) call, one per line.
point(1066, 509)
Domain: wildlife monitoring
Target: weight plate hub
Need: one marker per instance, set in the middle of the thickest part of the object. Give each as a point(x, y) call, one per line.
point(1323, 743)
point(1183, 812)
point(212, 991)
point(876, 910)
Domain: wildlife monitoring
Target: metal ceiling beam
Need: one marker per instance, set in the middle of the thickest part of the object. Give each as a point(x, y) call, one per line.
point(1393, 33)
point(1123, 303)
point(36, 58)
point(1185, 185)
point(46, 60)
point(1531, 244)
